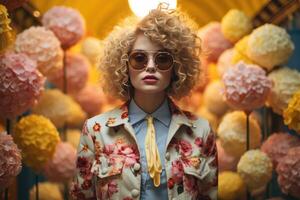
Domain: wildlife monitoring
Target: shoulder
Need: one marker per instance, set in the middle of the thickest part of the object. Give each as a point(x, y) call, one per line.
point(106, 118)
point(200, 124)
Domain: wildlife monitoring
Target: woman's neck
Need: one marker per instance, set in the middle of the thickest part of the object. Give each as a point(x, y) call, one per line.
point(149, 102)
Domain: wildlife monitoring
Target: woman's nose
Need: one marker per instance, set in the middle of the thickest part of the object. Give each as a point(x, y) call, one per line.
point(151, 65)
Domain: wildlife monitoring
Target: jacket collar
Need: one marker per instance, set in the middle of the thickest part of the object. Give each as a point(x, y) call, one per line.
point(119, 115)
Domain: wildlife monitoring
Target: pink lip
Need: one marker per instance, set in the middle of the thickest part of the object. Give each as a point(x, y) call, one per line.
point(150, 77)
point(150, 81)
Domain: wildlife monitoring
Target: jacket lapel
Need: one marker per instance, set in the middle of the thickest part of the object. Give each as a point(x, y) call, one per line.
point(179, 118)
point(119, 117)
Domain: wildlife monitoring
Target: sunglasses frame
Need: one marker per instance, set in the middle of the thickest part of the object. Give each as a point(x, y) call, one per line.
point(154, 55)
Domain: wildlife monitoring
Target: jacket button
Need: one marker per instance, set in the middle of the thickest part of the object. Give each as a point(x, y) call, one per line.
point(168, 156)
point(134, 193)
point(137, 167)
point(104, 170)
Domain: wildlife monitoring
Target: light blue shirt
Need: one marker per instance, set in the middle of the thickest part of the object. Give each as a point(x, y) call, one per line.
point(161, 119)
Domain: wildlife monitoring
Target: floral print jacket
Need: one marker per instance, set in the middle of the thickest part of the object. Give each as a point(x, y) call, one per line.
point(108, 164)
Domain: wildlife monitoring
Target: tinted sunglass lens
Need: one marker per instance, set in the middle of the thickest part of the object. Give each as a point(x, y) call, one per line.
point(164, 61)
point(138, 60)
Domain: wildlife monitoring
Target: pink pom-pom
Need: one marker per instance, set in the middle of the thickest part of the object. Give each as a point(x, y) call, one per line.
point(224, 61)
point(42, 46)
point(91, 98)
point(213, 41)
point(278, 144)
point(77, 72)
point(10, 160)
point(66, 23)
point(21, 84)
point(288, 170)
point(226, 161)
point(246, 86)
point(62, 166)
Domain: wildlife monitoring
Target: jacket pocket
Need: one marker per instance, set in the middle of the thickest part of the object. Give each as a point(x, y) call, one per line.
point(108, 166)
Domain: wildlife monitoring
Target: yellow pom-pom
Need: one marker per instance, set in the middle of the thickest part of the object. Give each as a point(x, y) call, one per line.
point(59, 108)
point(269, 45)
point(231, 186)
point(286, 82)
point(291, 114)
point(37, 137)
point(232, 133)
point(73, 137)
point(47, 191)
point(240, 50)
point(91, 47)
point(255, 167)
point(235, 24)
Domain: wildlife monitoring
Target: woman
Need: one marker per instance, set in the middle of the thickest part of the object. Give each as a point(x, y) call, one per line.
point(148, 148)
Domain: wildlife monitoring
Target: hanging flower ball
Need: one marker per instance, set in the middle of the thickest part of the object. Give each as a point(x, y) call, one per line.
point(292, 112)
point(61, 167)
point(59, 108)
point(240, 51)
point(278, 144)
point(225, 61)
point(286, 83)
point(91, 98)
point(255, 168)
point(91, 47)
point(246, 86)
point(10, 160)
point(235, 24)
point(77, 72)
point(231, 186)
point(47, 191)
point(232, 133)
point(37, 137)
point(6, 32)
point(21, 84)
point(226, 162)
point(288, 170)
point(73, 137)
point(213, 98)
point(42, 46)
point(269, 45)
point(213, 41)
point(66, 23)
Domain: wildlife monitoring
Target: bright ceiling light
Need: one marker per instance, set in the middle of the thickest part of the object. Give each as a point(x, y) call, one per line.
point(142, 7)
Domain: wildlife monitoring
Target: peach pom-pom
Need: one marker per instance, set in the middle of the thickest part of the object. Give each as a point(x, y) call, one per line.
point(213, 41)
point(21, 84)
point(77, 72)
point(42, 46)
point(288, 170)
point(10, 160)
point(67, 24)
point(61, 167)
point(278, 144)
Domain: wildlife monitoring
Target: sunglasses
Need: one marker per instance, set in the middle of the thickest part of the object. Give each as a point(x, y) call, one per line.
point(138, 60)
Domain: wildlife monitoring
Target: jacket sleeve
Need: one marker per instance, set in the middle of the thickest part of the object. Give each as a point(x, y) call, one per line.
point(209, 187)
point(83, 186)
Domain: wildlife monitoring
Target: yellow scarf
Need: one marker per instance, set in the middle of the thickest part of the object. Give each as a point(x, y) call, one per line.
point(152, 154)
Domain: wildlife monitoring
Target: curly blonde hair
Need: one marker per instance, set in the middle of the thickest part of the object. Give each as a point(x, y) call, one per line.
point(171, 29)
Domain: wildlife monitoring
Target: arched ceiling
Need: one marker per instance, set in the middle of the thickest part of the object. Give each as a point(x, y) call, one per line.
point(102, 15)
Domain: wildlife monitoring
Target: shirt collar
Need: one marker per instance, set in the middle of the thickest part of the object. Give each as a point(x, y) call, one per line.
point(162, 114)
